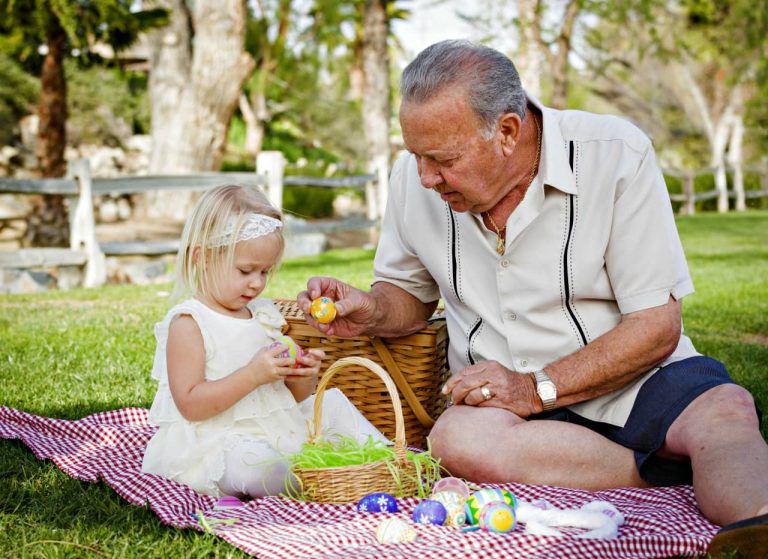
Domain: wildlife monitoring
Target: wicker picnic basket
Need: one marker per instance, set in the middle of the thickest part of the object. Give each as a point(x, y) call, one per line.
point(346, 484)
point(416, 363)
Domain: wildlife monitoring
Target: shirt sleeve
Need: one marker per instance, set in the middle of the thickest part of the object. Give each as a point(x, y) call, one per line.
point(644, 257)
point(396, 261)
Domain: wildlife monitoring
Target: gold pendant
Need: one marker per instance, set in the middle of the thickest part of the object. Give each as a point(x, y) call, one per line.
point(499, 244)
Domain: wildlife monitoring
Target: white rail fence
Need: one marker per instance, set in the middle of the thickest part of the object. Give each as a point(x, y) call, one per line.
point(87, 252)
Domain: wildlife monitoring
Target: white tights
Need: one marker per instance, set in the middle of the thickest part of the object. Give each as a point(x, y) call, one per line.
point(253, 468)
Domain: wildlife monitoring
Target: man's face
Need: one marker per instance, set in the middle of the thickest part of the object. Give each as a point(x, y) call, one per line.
point(468, 171)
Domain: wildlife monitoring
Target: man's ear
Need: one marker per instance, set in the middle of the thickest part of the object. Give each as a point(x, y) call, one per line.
point(509, 127)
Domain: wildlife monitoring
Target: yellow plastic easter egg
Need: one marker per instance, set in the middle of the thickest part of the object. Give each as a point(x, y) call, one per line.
point(323, 310)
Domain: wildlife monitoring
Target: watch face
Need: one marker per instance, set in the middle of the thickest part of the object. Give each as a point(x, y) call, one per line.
point(547, 391)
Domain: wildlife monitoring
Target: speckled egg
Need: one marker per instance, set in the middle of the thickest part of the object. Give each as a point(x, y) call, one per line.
point(430, 512)
point(482, 497)
point(497, 517)
point(394, 530)
point(377, 502)
point(323, 310)
point(293, 351)
point(454, 506)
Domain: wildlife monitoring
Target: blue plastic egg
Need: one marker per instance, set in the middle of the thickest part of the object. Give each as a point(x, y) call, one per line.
point(377, 502)
point(430, 512)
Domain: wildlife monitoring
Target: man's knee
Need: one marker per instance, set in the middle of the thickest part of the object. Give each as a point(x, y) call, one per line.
point(463, 435)
point(725, 407)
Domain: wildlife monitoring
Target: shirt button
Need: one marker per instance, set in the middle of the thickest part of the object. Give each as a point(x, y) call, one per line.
point(523, 362)
point(511, 316)
point(505, 263)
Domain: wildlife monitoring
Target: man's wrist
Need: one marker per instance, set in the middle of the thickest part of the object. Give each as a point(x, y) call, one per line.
point(545, 389)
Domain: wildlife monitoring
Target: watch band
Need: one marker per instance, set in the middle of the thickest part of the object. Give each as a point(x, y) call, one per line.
point(546, 389)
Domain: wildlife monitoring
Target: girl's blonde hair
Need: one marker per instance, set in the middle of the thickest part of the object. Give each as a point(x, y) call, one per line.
point(214, 215)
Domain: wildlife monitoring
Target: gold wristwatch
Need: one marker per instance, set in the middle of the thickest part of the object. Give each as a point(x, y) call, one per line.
point(546, 389)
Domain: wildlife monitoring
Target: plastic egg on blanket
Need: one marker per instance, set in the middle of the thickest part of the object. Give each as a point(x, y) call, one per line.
point(452, 484)
point(497, 516)
point(482, 497)
point(454, 507)
point(394, 530)
point(293, 350)
point(323, 310)
point(430, 512)
point(377, 502)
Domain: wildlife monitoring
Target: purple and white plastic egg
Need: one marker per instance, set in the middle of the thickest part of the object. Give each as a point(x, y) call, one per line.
point(377, 502)
point(430, 512)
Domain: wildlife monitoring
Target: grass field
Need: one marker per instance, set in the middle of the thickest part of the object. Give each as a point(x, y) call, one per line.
point(69, 354)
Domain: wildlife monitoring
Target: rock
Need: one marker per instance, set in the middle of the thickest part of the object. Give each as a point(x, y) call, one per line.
point(25, 281)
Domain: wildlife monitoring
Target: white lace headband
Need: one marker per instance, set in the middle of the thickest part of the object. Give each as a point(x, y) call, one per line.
point(255, 225)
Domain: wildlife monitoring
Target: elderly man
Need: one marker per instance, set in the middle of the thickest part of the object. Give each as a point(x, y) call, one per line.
point(550, 239)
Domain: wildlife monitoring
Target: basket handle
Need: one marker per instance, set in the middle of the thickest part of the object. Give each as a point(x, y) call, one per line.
point(391, 388)
point(402, 383)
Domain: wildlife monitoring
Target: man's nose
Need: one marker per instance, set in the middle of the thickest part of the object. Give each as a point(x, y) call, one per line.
point(429, 173)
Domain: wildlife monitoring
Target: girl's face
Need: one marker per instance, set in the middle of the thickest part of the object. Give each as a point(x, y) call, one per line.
point(235, 286)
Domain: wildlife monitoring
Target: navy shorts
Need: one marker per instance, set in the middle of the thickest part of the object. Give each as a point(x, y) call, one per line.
point(661, 399)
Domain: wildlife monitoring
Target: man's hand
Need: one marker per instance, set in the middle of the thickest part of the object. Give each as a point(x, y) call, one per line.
point(489, 383)
point(355, 309)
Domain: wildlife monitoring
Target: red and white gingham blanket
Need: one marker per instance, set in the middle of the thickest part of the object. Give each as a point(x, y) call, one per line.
point(660, 522)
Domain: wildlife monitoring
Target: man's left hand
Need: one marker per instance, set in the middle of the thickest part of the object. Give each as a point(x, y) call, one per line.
point(489, 383)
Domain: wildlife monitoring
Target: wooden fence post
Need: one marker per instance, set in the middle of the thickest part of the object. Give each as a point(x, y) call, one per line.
point(271, 164)
point(82, 226)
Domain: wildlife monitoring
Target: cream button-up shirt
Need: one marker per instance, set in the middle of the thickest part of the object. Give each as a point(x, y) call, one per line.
point(594, 238)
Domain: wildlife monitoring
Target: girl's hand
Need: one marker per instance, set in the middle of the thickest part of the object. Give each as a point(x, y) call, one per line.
point(267, 366)
point(302, 381)
point(308, 366)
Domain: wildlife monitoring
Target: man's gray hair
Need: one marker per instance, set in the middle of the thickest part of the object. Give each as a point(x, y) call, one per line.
point(489, 77)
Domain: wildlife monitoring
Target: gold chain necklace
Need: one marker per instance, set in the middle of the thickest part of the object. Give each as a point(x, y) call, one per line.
point(500, 237)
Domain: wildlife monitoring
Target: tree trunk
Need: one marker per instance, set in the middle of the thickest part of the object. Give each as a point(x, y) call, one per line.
point(49, 222)
point(530, 58)
point(561, 64)
point(255, 117)
point(376, 109)
point(735, 154)
point(198, 68)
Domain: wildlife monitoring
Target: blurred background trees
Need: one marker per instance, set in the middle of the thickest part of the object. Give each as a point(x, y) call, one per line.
point(215, 82)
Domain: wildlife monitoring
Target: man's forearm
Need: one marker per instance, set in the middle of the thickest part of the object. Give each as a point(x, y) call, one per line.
point(640, 342)
point(397, 312)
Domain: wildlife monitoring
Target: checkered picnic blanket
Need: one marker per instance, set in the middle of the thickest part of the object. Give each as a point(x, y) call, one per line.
point(660, 522)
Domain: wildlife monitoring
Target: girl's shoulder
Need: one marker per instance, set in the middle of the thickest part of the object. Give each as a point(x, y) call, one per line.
point(267, 314)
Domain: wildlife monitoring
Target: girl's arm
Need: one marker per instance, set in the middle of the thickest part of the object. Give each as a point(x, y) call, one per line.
point(197, 398)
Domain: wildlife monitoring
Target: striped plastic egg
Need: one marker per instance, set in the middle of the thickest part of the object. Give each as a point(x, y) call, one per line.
point(394, 530)
point(482, 497)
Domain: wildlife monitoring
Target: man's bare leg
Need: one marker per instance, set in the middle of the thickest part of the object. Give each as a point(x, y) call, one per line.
point(485, 444)
point(719, 431)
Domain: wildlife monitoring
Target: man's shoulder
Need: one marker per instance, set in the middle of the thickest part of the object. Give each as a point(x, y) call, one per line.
point(584, 126)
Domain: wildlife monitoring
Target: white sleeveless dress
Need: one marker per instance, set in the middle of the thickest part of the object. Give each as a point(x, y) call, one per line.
point(269, 418)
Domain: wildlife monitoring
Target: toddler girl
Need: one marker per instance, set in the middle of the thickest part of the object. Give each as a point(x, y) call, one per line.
point(228, 407)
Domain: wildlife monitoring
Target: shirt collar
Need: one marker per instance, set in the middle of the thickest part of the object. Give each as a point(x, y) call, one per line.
point(554, 168)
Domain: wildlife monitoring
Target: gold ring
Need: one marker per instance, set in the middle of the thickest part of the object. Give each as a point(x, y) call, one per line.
point(486, 392)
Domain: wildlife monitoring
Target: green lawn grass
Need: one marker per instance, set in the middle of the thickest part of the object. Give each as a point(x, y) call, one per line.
point(69, 354)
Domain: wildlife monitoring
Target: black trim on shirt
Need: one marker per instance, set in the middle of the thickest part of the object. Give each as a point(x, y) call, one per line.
point(566, 279)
